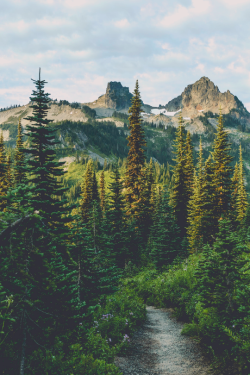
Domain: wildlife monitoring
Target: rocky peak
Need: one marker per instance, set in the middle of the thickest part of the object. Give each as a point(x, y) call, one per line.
point(117, 97)
point(203, 96)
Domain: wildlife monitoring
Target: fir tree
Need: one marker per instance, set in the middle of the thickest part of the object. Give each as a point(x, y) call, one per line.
point(235, 185)
point(189, 166)
point(9, 175)
point(102, 189)
point(222, 170)
point(219, 271)
point(210, 223)
point(195, 217)
point(3, 174)
point(136, 154)
point(41, 166)
point(241, 199)
point(19, 173)
point(179, 197)
point(87, 191)
point(95, 192)
point(164, 241)
point(115, 217)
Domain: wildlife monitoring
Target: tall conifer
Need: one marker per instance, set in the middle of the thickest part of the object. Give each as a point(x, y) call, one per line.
point(189, 166)
point(41, 166)
point(19, 173)
point(241, 200)
point(136, 154)
point(9, 174)
point(3, 173)
point(87, 192)
point(222, 170)
point(102, 190)
point(179, 196)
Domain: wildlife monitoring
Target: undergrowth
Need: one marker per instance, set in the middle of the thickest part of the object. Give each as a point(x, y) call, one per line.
point(224, 337)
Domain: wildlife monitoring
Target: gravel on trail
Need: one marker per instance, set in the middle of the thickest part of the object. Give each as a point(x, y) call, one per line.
point(158, 348)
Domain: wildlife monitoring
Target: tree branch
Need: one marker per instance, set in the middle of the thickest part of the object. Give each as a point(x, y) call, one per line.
point(7, 231)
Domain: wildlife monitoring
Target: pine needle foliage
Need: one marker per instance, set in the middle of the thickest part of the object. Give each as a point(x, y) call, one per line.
point(180, 195)
point(3, 173)
point(241, 200)
point(9, 173)
point(222, 170)
point(102, 191)
point(164, 241)
point(189, 165)
point(19, 159)
point(41, 166)
point(136, 153)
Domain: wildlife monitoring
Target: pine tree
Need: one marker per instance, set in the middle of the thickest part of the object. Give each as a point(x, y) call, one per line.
point(41, 166)
point(195, 217)
point(116, 218)
point(95, 191)
point(9, 176)
point(136, 154)
point(19, 173)
point(102, 189)
point(222, 170)
point(3, 173)
point(189, 166)
point(179, 197)
point(241, 199)
point(219, 272)
point(87, 192)
point(210, 222)
point(164, 241)
point(235, 185)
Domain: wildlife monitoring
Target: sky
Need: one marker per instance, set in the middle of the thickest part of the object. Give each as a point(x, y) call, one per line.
point(81, 45)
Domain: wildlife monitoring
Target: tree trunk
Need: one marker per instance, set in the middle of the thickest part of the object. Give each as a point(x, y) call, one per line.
point(23, 344)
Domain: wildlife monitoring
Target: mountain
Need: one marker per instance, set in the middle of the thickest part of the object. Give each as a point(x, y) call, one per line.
point(204, 96)
point(99, 129)
point(117, 98)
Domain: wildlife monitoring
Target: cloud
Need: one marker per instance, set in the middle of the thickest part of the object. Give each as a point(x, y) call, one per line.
point(83, 44)
point(182, 13)
point(122, 23)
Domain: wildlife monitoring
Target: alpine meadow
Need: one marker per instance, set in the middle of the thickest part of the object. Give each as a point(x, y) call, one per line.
point(110, 210)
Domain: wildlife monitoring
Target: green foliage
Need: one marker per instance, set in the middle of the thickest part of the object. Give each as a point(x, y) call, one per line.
point(89, 112)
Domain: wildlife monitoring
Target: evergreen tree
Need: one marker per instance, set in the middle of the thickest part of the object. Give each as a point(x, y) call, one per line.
point(195, 217)
point(136, 153)
point(189, 166)
point(19, 170)
point(115, 217)
point(3, 174)
point(102, 188)
point(210, 223)
point(222, 170)
point(164, 241)
point(41, 166)
point(95, 192)
point(235, 185)
point(219, 272)
point(241, 199)
point(179, 197)
point(87, 192)
point(9, 176)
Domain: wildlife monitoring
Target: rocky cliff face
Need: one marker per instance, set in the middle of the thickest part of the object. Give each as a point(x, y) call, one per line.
point(204, 96)
point(117, 97)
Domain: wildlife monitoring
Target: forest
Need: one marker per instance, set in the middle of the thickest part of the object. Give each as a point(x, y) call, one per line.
point(77, 268)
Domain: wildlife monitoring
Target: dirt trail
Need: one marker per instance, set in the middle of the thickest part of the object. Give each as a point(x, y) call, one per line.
point(158, 348)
